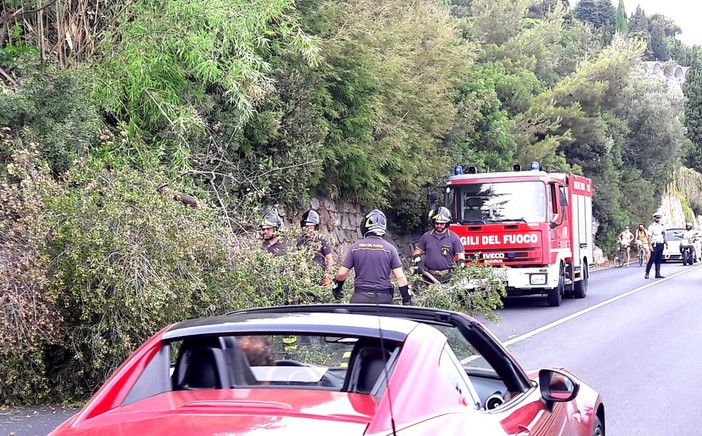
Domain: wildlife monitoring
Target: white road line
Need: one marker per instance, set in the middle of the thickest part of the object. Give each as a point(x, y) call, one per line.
point(590, 309)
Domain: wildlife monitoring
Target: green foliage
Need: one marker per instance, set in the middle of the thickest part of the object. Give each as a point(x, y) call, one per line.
point(255, 104)
point(638, 25)
point(661, 136)
point(692, 89)
point(635, 199)
point(621, 23)
point(167, 58)
point(482, 133)
point(586, 10)
point(276, 158)
point(686, 184)
point(578, 42)
point(124, 262)
point(260, 279)
point(473, 289)
point(658, 47)
point(51, 108)
point(389, 75)
point(600, 14)
point(497, 21)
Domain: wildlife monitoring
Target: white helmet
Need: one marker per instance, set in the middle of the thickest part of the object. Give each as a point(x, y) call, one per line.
point(442, 216)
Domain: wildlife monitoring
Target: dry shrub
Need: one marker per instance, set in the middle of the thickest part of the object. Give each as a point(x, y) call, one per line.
point(29, 322)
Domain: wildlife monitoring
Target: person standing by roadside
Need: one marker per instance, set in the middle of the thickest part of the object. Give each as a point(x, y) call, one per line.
point(373, 259)
point(656, 241)
point(310, 235)
point(440, 247)
point(269, 227)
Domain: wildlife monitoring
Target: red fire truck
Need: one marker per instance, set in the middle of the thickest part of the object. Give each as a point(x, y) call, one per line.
point(537, 225)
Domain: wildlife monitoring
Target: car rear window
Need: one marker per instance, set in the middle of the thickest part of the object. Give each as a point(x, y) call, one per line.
point(281, 361)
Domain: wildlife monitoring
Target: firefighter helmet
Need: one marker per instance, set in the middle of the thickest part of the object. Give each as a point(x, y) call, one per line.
point(688, 226)
point(442, 216)
point(271, 220)
point(374, 222)
point(310, 218)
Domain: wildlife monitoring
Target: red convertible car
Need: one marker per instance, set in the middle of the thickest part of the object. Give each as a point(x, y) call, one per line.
point(335, 370)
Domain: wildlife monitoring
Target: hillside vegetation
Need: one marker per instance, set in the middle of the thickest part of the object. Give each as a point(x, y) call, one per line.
point(111, 109)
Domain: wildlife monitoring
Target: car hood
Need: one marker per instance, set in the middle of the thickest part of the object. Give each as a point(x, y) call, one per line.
point(229, 412)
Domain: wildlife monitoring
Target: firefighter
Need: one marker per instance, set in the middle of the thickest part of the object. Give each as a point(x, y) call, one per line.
point(440, 246)
point(373, 259)
point(269, 227)
point(656, 243)
point(310, 235)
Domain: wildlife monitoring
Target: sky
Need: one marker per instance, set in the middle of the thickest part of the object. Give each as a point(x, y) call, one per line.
point(685, 13)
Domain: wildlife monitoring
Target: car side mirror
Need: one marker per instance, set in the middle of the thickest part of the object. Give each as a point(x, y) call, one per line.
point(556, 387)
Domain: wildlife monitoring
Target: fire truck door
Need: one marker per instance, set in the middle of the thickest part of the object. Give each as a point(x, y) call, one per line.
point(557, 206)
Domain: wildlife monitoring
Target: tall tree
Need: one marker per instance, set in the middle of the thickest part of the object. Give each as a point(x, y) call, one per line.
point(622, 24)
point(692, 88)
point(586, 10)
point(657, 45)
point(600, 13)
point(638, 25)
point(607, 18)
point(670, 29)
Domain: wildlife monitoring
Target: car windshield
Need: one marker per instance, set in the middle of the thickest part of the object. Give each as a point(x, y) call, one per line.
point(674, 234)
point(501, 202)
point(469, 357)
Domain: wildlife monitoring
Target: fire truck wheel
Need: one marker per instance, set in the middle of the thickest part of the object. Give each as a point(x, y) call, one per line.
point(555, 295)
point(581, 286)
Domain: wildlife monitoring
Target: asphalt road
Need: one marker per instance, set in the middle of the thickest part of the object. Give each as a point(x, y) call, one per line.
point(32, 421)
point(634, 340)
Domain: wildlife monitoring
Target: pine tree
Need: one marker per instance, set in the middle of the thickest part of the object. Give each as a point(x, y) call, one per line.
point(586, 10)
point(658, 45)
point(638, 25)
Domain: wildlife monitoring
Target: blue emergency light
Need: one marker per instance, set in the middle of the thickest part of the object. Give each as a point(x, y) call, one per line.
point(535, 166)
point(458, 170)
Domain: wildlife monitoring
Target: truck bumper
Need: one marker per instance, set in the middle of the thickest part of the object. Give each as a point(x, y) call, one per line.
point(536, 279)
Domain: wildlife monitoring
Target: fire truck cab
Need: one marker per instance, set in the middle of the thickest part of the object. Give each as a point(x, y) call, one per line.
point(534, 224)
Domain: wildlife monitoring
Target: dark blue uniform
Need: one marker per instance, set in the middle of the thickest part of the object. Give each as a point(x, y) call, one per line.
point(373, 259)
point(440, 249)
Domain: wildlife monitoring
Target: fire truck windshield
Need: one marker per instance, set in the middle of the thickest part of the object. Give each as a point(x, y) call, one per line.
point(501, 202)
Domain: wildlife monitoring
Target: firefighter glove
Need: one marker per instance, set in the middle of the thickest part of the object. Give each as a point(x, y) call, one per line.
point(406, 298)
point(336, 290)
